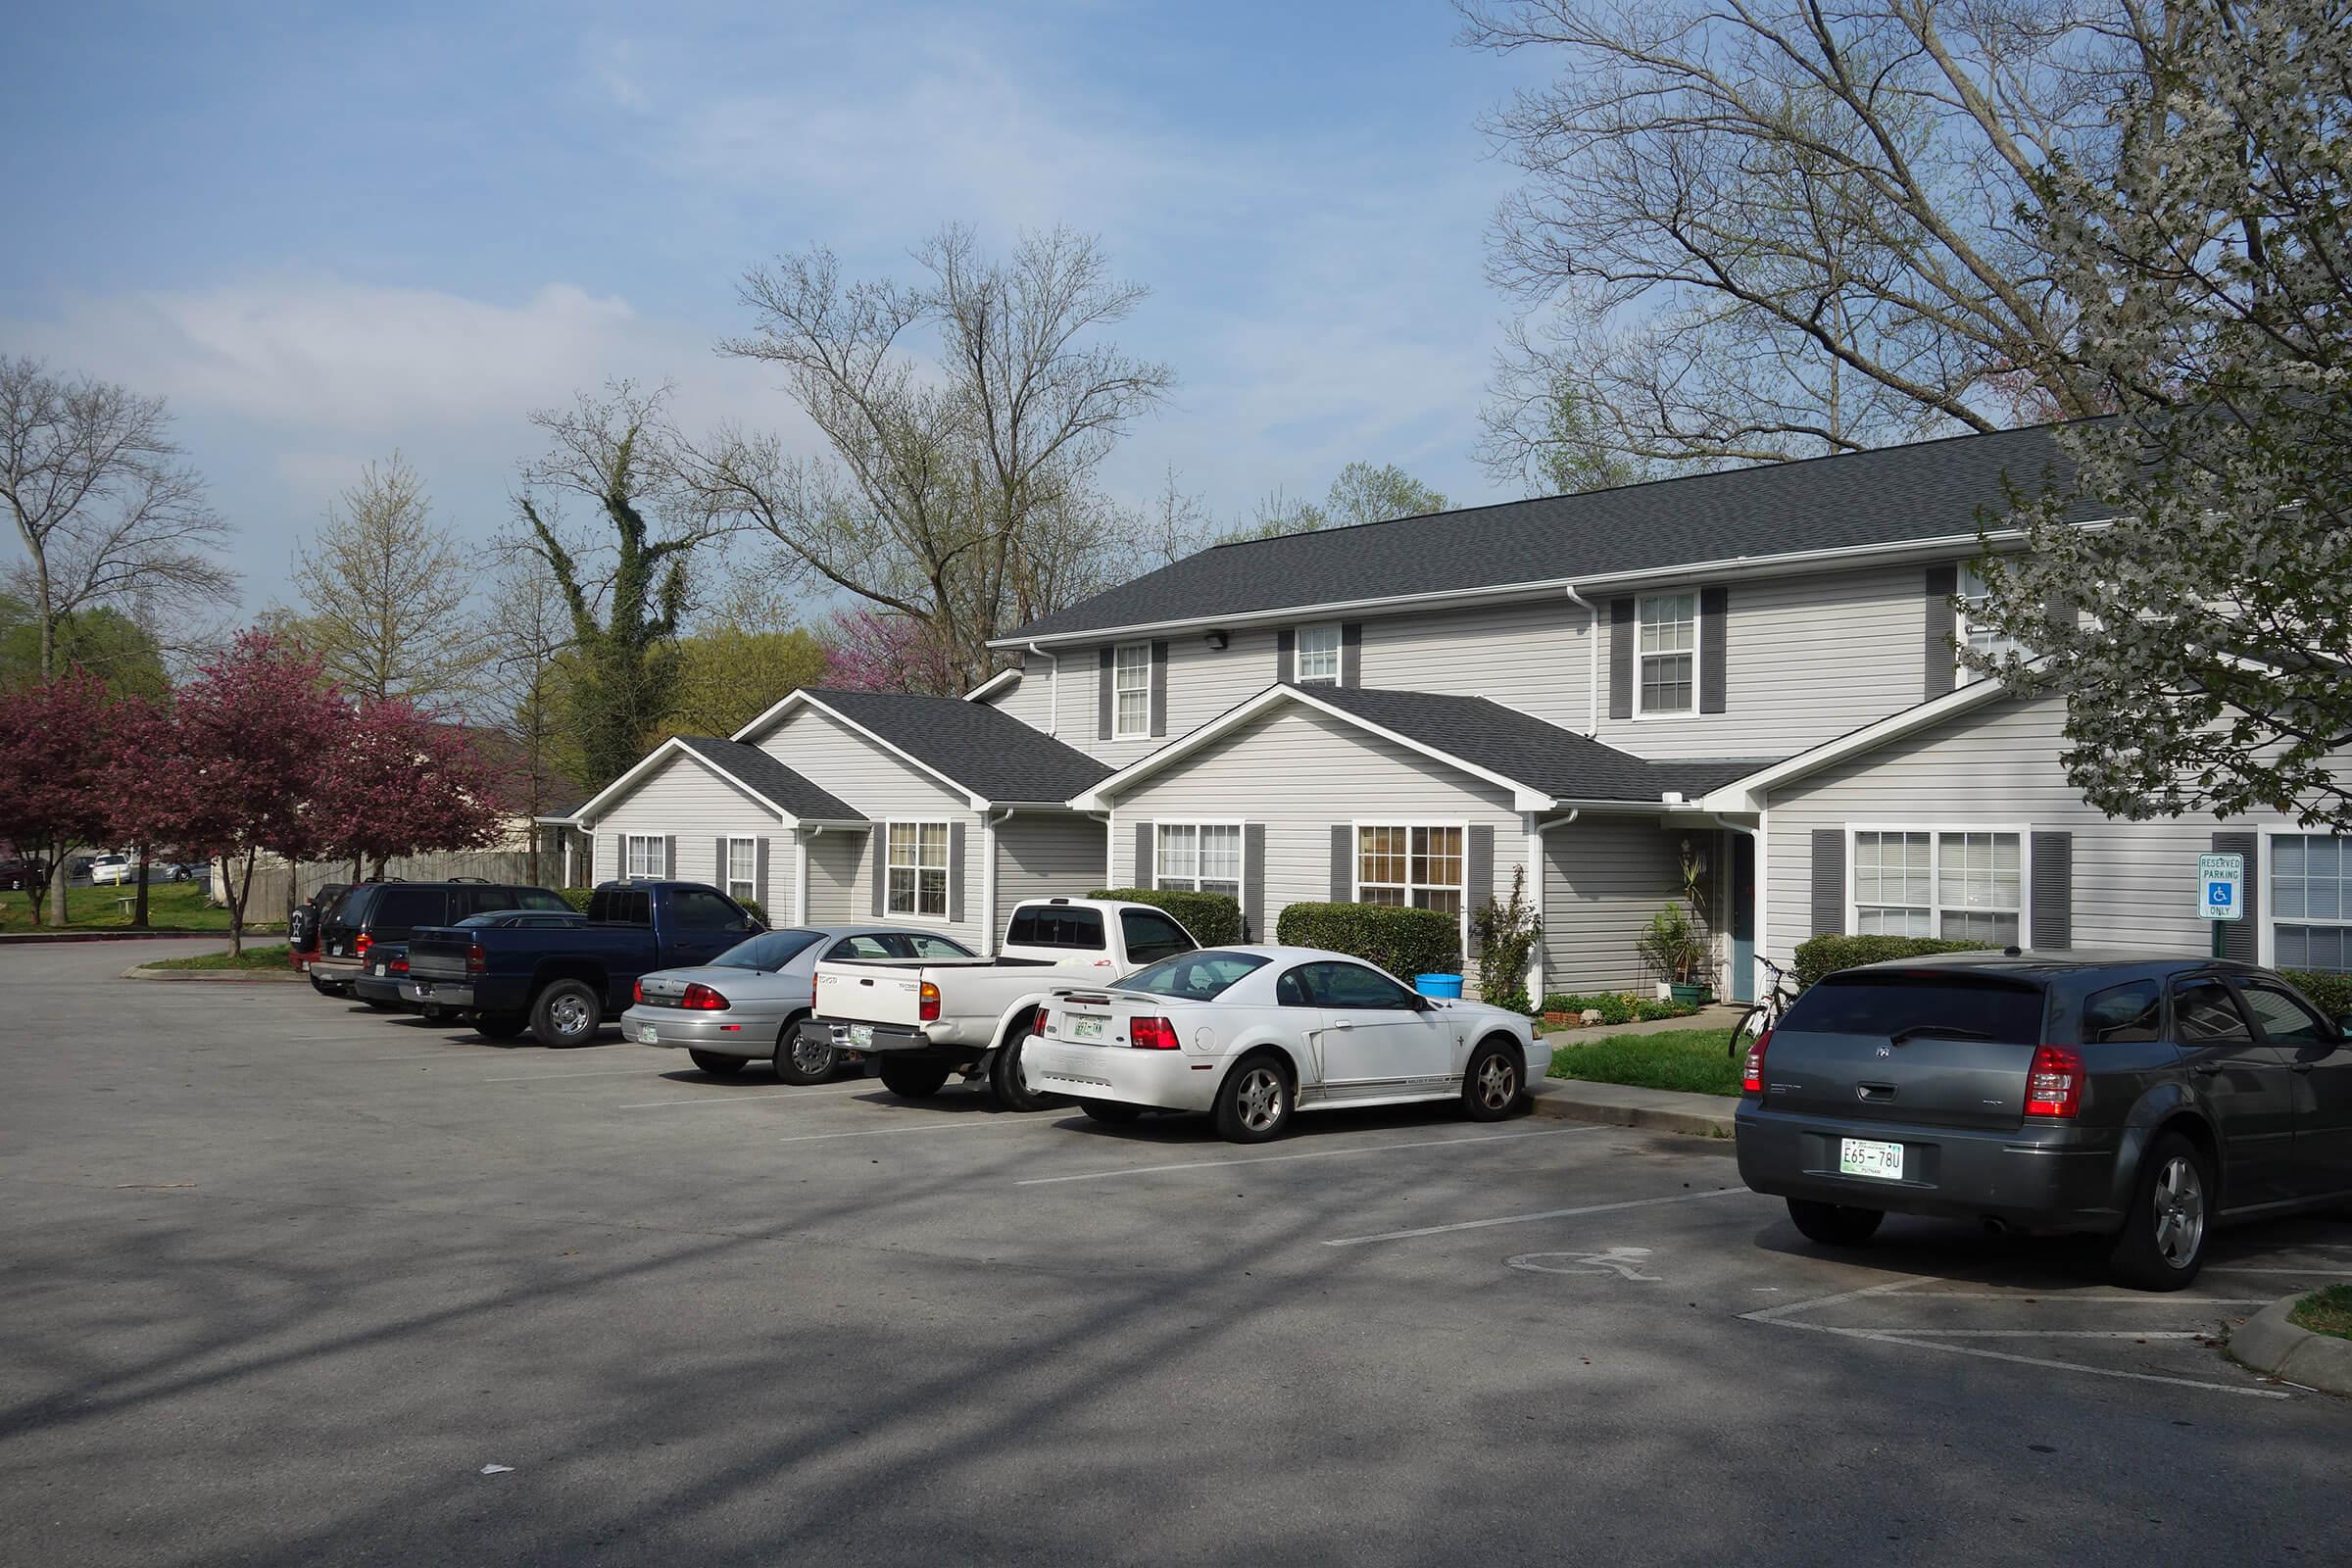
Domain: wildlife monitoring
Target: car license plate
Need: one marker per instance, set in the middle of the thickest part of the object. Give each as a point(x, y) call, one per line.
point(1085, 1028)
point(379, 971)
point(648, 1034)
point(862, 1036)
point(1862, 1157)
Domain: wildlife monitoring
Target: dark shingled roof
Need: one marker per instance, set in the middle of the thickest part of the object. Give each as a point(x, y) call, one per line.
point(1896, 495)
point(982, 748)
point(762, 774)
point(1562, 764)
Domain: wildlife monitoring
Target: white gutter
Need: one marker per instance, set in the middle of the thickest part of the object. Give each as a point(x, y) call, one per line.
point(1052, 690)
point(1593, 636)
point(988, 881)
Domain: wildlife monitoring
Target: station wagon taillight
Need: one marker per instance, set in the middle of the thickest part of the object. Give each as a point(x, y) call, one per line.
point(1752, 1074)
point(2054, 1083)
point(701, 998)
point(397, 967)
point(1151, 1034)
point(359, 948)
point(928, 1003)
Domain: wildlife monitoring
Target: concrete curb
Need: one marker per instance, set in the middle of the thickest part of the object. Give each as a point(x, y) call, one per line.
point(2270, 1344)
point(251, 977)
point(11, 939)
point(1663, 1110)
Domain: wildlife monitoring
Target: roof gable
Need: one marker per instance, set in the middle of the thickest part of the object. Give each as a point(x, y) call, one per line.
point(974, 747)
point(749, 768)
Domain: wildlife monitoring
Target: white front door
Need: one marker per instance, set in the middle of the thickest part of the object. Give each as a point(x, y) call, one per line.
point(1374, 1030)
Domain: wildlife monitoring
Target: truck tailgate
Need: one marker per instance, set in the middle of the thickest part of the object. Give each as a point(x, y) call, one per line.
point(858, 993)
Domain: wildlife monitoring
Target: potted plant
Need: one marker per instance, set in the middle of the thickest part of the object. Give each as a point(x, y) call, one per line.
point(1673, 946)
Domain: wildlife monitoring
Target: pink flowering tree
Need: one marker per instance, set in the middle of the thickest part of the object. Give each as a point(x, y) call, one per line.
point(56, 741)
point(874, 652)
point(402, 782)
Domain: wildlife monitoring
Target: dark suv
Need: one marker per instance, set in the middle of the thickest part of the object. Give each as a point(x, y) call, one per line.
point(365, 934)
point(2142, 1098)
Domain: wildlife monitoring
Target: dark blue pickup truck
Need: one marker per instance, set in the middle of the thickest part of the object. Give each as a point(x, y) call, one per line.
point(563, 985)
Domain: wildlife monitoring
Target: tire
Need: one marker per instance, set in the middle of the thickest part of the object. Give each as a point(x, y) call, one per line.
point(1741, 1035)
point(567, 1012)
point(913, 1080)
point(1491, 1083)
point(1004, 1078)
point(501, 1025)
point(1111, 1112)
point(1253, 1103)
point(2169, 1220)
point(799, 1062)
point(719, 1065)
point(1834, 1224)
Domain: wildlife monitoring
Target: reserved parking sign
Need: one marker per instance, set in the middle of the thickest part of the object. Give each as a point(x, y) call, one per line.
point(2222, 878)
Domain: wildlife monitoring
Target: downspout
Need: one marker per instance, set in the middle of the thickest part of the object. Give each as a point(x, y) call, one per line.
point(1052, 690)
point(799, 872)
point(988, 881)
point(1593, 636)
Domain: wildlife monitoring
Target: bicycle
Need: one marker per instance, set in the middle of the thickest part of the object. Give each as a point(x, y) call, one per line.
point(1762, 1017)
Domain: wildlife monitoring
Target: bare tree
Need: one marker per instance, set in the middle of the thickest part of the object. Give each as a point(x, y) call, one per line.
point(1769, 231)
point(386, 592)
point(967, 415)
point(105, 509)
point(525, 640)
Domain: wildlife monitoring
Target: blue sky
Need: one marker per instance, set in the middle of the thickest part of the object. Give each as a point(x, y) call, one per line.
point(324, 235)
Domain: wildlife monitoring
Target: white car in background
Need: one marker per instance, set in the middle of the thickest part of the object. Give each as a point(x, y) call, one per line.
point(1254, 1034)
point(112, 871)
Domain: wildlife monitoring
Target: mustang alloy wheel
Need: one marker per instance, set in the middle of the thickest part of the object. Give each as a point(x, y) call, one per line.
point(1254, 1104)
point(1491, 1083)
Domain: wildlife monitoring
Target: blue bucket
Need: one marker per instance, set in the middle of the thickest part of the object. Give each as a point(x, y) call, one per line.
point(1439, 985)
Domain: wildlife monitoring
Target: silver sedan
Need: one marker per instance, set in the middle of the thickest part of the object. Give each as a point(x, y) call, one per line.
point(747, 1004)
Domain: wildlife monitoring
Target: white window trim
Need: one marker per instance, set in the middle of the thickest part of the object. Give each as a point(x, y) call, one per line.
point(1699, 637)
point(726, 872)
point(1143, 733)
point(1961, 626)
point(2266, 935)
point(947, 889)
point(1355, 865)
point(1196, 822)
point(2025, 868)
point(660, 856)
point(1339, 652)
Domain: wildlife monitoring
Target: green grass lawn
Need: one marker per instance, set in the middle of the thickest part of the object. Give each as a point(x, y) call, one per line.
point(1690, 1060)
point(272, 956)
point(2327, 1311)
point(171, 907)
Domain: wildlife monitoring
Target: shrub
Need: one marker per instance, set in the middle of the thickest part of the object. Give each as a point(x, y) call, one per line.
point(1213, 918)
point(1404, 942)
point(577, 897)
point(1650, 1008)
point(2332, 992)
point(1672, 944)
point(1825, 955)
point(755, 909)
point(1506, 934)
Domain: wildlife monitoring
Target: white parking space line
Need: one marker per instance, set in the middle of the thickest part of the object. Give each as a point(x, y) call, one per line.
point(2026, 1298)
point(1312, 1154)
point(929, 1127)
point(1910, 1338)
point(2053, 1334)
point(1529, 1219)
point(597, 1072)
point(1773, 1314)
point(740, 1097)
point(2234, 1268)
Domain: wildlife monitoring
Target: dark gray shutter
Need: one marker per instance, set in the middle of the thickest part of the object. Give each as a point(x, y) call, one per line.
point(1352, 653)
point(1254, 882)
point(669, 855)
point(719, 865)
point(1286, 656)
point(2241, 938)
point(620, 858)
point(1342, 863)
point(1828, 881)
point(1943, 581)
point(1478, 869)
point(1621, 659)
point(2053, 925)
point(1712, 602)
point(879, 842)
point(1146, 866)
point(1160, 690)
point(1103, 691)
point(760, 881)
point(956, 871)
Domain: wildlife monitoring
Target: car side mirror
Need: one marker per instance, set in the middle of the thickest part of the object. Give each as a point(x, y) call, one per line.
point(2343, 1026)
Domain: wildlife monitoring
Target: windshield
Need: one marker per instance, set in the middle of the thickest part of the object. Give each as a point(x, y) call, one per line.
point(769, 950)
point(1193, 976)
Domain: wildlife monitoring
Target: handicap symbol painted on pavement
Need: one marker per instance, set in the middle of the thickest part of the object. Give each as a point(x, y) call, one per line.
point(1626, 1262)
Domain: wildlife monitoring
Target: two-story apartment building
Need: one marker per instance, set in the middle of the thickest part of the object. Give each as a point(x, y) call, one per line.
point(1752, 671)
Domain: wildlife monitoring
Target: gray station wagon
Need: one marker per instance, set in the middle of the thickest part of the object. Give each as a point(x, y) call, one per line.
point(2141, 1097)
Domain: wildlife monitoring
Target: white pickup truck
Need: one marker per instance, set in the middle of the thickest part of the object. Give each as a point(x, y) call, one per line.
point(922, 1020)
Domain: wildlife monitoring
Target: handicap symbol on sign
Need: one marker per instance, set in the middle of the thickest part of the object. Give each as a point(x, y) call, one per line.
point(2217, 894)
point(1626, 1262)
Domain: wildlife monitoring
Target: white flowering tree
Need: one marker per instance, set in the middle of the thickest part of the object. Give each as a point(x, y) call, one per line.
point(2202, 634)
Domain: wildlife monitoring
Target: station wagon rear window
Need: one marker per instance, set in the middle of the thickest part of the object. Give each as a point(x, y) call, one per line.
point(1193, 976)
point(1968, 1006)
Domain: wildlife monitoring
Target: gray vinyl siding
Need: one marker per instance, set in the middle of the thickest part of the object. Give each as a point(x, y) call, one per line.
point(1603, 878)
point(836, 891)
point(2134, 883)
point(1298, 773)
point(1047, 857)
point(684, 798)
point(1530, 657)
point(1031, 698)
point(1203, 682)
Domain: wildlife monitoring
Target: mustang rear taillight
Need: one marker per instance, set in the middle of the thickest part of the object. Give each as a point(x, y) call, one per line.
point(1752, 1075)
point(928, 1003)
point(1151, 1034)
point(1037, 1025)
point(701, 998)
point(2054, 1083)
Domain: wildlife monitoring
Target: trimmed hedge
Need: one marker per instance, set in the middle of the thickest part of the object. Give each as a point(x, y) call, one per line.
point(2332, 992)
point(1825, 955)
point(1213, 918)
point(577, 897)
point(1404, 942)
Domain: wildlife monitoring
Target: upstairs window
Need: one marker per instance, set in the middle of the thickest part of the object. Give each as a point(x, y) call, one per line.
point(1666, 656)
point(1974, 630)
point(1319, 656)
point(1131, 692)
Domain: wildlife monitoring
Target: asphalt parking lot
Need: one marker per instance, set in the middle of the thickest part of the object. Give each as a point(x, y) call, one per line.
point(283, 1277)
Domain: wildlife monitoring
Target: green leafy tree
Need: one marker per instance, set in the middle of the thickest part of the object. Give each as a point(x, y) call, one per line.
point(386, 590)
point(2202, 636)
point(103, 642)
point(746, 657)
